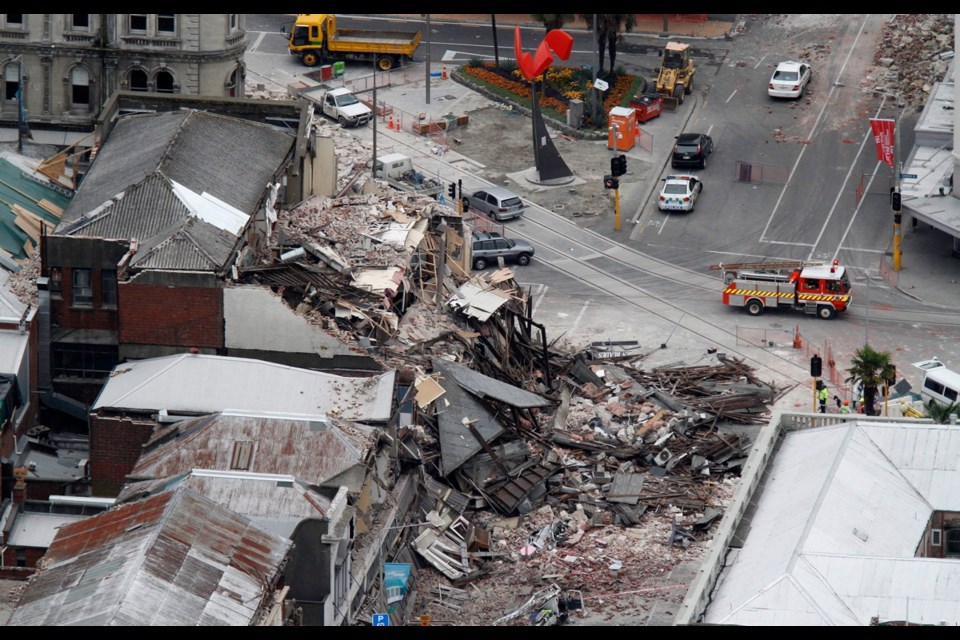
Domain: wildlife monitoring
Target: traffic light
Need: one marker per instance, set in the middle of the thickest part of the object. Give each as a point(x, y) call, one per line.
point(610, 182)
point(452, 190)
point(895, 200)
point(816, 366)
point(618, 165)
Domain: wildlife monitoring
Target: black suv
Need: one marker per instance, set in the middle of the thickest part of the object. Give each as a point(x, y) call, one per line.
point(691, 150)
point(489, 246)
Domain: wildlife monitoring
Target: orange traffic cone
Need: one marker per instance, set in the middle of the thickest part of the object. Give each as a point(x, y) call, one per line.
point(390, 122)
point(443, 76)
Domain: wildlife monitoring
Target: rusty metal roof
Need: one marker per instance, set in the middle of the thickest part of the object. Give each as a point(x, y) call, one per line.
point(172, 560)
point(309, 450)
point(276, 502)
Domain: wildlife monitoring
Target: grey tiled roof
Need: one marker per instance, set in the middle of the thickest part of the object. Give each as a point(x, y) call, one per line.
point(194, 246)
point(230, 158)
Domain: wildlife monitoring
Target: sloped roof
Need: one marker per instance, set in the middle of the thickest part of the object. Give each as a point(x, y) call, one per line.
point(193, 383)
point(194, 246)
point(172, 560)
point(840, 518)
point(310, 450)
point(275, 502)
point(230, 158)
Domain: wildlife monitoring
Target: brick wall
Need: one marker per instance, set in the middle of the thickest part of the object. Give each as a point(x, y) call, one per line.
point(66, 316)
point(10, 570)
point(115, 446)
point(175, 316)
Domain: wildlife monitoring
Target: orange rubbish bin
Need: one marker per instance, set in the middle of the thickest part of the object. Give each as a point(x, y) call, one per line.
point(622, 129)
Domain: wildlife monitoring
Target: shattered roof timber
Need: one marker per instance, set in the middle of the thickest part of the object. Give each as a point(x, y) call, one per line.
point(486, 387)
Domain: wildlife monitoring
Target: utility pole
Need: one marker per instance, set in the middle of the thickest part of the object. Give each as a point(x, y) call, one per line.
point(616, 192)
point(496, 49)
point(596, 63)
point(374, 163)
point(427, 64)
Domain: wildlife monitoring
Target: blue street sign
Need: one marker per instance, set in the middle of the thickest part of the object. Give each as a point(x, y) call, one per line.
point(381, 619)
point(908, 176)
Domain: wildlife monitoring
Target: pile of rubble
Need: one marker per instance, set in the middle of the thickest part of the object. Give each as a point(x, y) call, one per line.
point(915, 51)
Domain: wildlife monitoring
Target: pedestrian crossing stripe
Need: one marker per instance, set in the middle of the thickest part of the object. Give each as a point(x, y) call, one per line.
point(819, 297)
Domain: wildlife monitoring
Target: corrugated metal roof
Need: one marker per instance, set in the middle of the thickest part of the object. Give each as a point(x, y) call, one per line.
point(172, 560)
point(193, 383)
point(277, 503)
point(308, 450)
point(231, 158)
point(842, 513)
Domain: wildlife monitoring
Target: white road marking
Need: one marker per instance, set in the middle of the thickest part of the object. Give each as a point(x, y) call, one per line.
point(583, 310)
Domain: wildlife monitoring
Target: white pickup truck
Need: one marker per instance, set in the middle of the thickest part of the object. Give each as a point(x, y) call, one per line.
point(344, 107)
point(397, 169)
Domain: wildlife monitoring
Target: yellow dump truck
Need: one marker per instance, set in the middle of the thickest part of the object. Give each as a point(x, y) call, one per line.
point(315, 38)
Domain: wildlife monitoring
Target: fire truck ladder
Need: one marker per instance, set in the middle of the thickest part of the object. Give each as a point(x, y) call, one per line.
point(765, 266)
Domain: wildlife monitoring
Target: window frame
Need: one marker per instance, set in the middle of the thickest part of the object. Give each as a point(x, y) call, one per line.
point(137, 31)
point(76, 299)
point(108, 288)
point(74, 104)
point(163, 17)
point(76, 27)
point(951, 539)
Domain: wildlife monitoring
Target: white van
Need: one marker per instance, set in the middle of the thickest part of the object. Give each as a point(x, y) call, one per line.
point(939, 383)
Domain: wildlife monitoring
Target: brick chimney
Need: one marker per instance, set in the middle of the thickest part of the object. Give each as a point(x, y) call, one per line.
point(20, 488)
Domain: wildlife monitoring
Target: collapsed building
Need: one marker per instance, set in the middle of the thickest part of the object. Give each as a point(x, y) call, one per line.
point(504, 453)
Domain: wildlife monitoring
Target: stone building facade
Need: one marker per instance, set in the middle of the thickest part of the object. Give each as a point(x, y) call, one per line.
point(70, 63)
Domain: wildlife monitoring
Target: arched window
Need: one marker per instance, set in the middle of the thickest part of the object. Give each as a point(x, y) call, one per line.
point(80, 87)
point(138, 80)
point(235, 83)
point(164, 81)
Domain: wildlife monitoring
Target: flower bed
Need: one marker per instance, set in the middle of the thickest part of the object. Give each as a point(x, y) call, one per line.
point(559, 86)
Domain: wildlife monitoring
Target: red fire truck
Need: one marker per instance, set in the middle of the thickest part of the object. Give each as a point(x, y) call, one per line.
point(815, 288)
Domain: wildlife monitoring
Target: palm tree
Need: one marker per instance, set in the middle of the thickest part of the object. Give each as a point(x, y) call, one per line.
point(552, 20)
point(871, 368)
point(941, 412)
point(609, 28)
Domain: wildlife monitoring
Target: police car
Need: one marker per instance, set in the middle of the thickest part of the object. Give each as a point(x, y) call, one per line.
point(679, 193)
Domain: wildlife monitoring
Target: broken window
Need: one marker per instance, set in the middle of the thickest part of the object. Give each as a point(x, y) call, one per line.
point(72, 360)
point(108, 289)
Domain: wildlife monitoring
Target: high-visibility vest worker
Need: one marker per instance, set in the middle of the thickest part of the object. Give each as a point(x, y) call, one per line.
point(824, 396)
point(846, 407)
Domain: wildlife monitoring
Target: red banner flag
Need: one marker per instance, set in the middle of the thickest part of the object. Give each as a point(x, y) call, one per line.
point(883, 136)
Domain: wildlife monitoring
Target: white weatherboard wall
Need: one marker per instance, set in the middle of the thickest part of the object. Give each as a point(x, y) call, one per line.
point(257, 318)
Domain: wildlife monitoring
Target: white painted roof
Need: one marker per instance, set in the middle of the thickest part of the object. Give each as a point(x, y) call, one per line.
point(193, 383)
point(837, 525)
point(38, 529)
point(211, 209)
